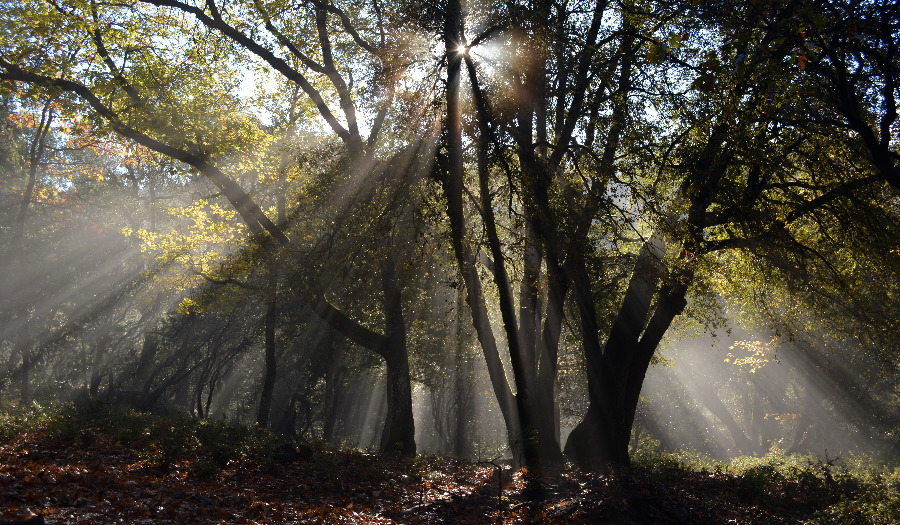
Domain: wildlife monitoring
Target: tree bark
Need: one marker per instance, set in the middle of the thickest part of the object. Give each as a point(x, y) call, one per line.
point(271, 360)
point(615, 376)
point(399, 434)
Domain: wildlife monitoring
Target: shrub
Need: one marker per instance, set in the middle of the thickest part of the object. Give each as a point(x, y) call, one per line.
point(16, 419)
point(875, 504)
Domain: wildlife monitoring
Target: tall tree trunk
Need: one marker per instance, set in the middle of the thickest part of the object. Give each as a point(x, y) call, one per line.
point(534, 433)
point(399, 434)
point(271, 365)
point(11, 310)
point(198, 399)
point(453, 191)
point(145, 362)
point(462, 385)
point(271, 315)
point(25, 376)
point(548, 349)
point(100, 351)
point(333, 393)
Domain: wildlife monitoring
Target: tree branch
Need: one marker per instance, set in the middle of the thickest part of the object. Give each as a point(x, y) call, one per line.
point(250, 212)
point(268, 56)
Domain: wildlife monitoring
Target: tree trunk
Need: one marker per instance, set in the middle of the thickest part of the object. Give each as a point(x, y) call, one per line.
point(96, 379)
point(399, 434)
point(333, 394)
point(711, 401)
point(616, 374)
point(453, 191)
point(271, 315)
point(271, 365)
point(35, 156)
point(462, 385)
point(806, 424)
point(145, 362)
point(535, 432)
point(14, 250)
point(25, 377)
point(100, 351)
point(198, 399)
point(615, 377)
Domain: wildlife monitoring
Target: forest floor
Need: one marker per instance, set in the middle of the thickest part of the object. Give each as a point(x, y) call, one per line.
point(90, 477)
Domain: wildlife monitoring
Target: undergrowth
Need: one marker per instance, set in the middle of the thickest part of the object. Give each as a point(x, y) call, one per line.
point(850, 490)
point(824, 489)
point(200, 447)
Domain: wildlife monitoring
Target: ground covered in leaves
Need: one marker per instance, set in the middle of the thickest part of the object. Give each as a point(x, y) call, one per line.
point(103, 466)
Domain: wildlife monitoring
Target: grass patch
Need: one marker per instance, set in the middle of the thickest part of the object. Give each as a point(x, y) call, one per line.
point(16, 418)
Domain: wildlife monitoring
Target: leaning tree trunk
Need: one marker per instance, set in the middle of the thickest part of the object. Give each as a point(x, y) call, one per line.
point(452, 182)
point(711, 401)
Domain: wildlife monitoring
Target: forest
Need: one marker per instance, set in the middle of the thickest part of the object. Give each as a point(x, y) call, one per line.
point(622, 261)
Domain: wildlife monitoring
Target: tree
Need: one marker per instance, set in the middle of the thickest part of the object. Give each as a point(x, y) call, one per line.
point(725, 179)
point(851, 50)
point(131, 81)
point(33, 164)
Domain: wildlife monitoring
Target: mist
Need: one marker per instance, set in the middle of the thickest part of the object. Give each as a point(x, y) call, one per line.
point(458, 230)
point(742, 392)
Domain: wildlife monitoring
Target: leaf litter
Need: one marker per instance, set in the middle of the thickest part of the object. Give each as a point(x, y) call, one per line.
point(106, 481)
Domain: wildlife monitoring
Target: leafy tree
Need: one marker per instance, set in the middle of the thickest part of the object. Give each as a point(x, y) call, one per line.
point(725, 178)
point(143, 103)
point(609, 164)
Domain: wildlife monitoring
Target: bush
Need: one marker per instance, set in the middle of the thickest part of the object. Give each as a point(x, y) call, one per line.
point(16, 419)
point(852, 490)
point(219, 442)
point(683, 460)
point(875, 504)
